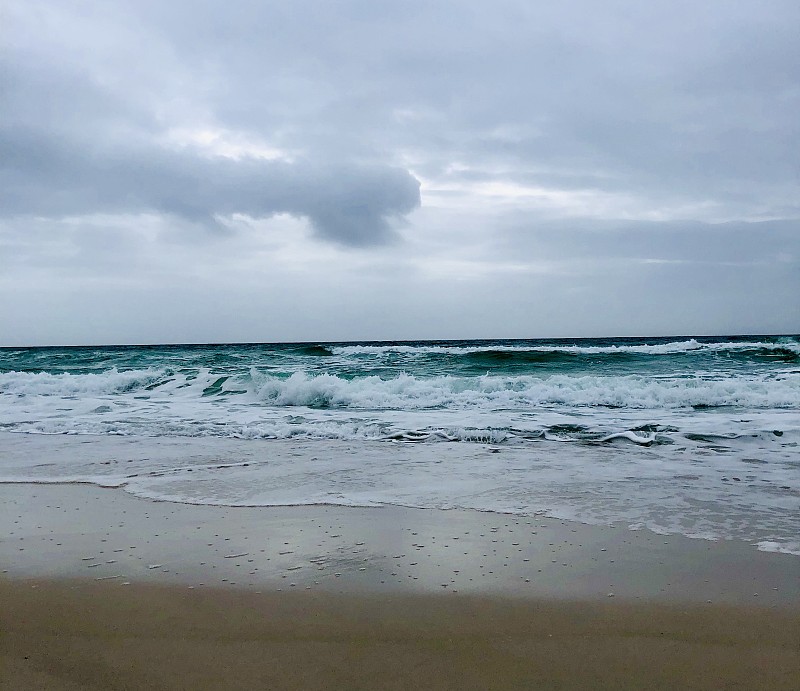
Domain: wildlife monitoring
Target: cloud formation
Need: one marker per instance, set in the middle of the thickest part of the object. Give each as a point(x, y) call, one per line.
point(457, 144)
point(347, 204)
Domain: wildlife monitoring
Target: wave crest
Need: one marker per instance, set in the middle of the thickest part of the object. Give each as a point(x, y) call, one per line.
point(632, 391)
point(787, 349)
point(111, 381)
point(405, 391)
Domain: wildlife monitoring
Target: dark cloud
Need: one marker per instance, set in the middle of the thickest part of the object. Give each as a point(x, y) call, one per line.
point(347, 204)
point(686, 101)
point(73, 143)
point(700, 99)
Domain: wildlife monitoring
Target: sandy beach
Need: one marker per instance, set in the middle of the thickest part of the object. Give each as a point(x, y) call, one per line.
point(70, 636)
point(104, 590)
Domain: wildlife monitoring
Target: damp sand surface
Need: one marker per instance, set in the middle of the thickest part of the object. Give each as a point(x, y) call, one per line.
point(104, 590)
point(94, 635)
point(82, 531)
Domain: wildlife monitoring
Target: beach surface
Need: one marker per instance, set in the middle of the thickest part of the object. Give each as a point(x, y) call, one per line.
point(76, 636)
point(101, 589)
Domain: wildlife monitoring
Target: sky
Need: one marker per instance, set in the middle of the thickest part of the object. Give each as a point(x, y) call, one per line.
point(258, 171)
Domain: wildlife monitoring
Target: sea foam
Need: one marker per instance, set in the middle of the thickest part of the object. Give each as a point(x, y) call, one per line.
point(672, 348)
point(407, 391)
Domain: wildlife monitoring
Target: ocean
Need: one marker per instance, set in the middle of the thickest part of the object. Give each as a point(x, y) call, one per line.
point(691, 435)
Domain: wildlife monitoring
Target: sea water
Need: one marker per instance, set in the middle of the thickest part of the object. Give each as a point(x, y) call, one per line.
point(697, 436)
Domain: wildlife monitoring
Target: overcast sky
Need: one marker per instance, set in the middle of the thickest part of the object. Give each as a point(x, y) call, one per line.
point(190, 171)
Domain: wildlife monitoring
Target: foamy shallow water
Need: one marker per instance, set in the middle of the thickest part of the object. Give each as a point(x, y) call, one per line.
point(708, 494)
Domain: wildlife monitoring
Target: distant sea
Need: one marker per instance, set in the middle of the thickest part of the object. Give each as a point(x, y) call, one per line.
point(690, 435)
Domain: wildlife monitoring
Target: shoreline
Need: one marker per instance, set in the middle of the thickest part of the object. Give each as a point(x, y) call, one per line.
point(87, 532)
point(215, 471)
point(324, 597)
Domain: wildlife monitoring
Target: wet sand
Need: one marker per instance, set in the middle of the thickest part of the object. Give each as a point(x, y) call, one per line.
point(104, 590)
point(99, 636)
point(82, 531)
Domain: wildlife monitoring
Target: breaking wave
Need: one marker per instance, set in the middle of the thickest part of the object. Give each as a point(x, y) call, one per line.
point(408, 392)
point(786, 349)
point(632, 391)
point(110, 381)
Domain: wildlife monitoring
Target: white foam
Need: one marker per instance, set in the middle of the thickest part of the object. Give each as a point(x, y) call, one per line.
point(483, 409)
point(632, 391)
point(110, 381)
point(643, 438)
point(102, 391)
point(789, 547)
point(660, 488)
point(656, 349)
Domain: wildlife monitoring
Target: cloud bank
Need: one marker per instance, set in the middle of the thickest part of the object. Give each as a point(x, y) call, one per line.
point(436, 159)
point(347, 204)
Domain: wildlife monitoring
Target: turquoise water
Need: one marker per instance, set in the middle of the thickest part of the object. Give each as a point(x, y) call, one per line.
point(673, 355)
point(697, 435)
point(503, 387)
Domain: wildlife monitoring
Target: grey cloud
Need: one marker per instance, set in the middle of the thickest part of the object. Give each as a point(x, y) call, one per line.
point(73, 142)
point(687, 242)
point(346, 203)
point(697, 99)
point(671, 99)
point(663, 109)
